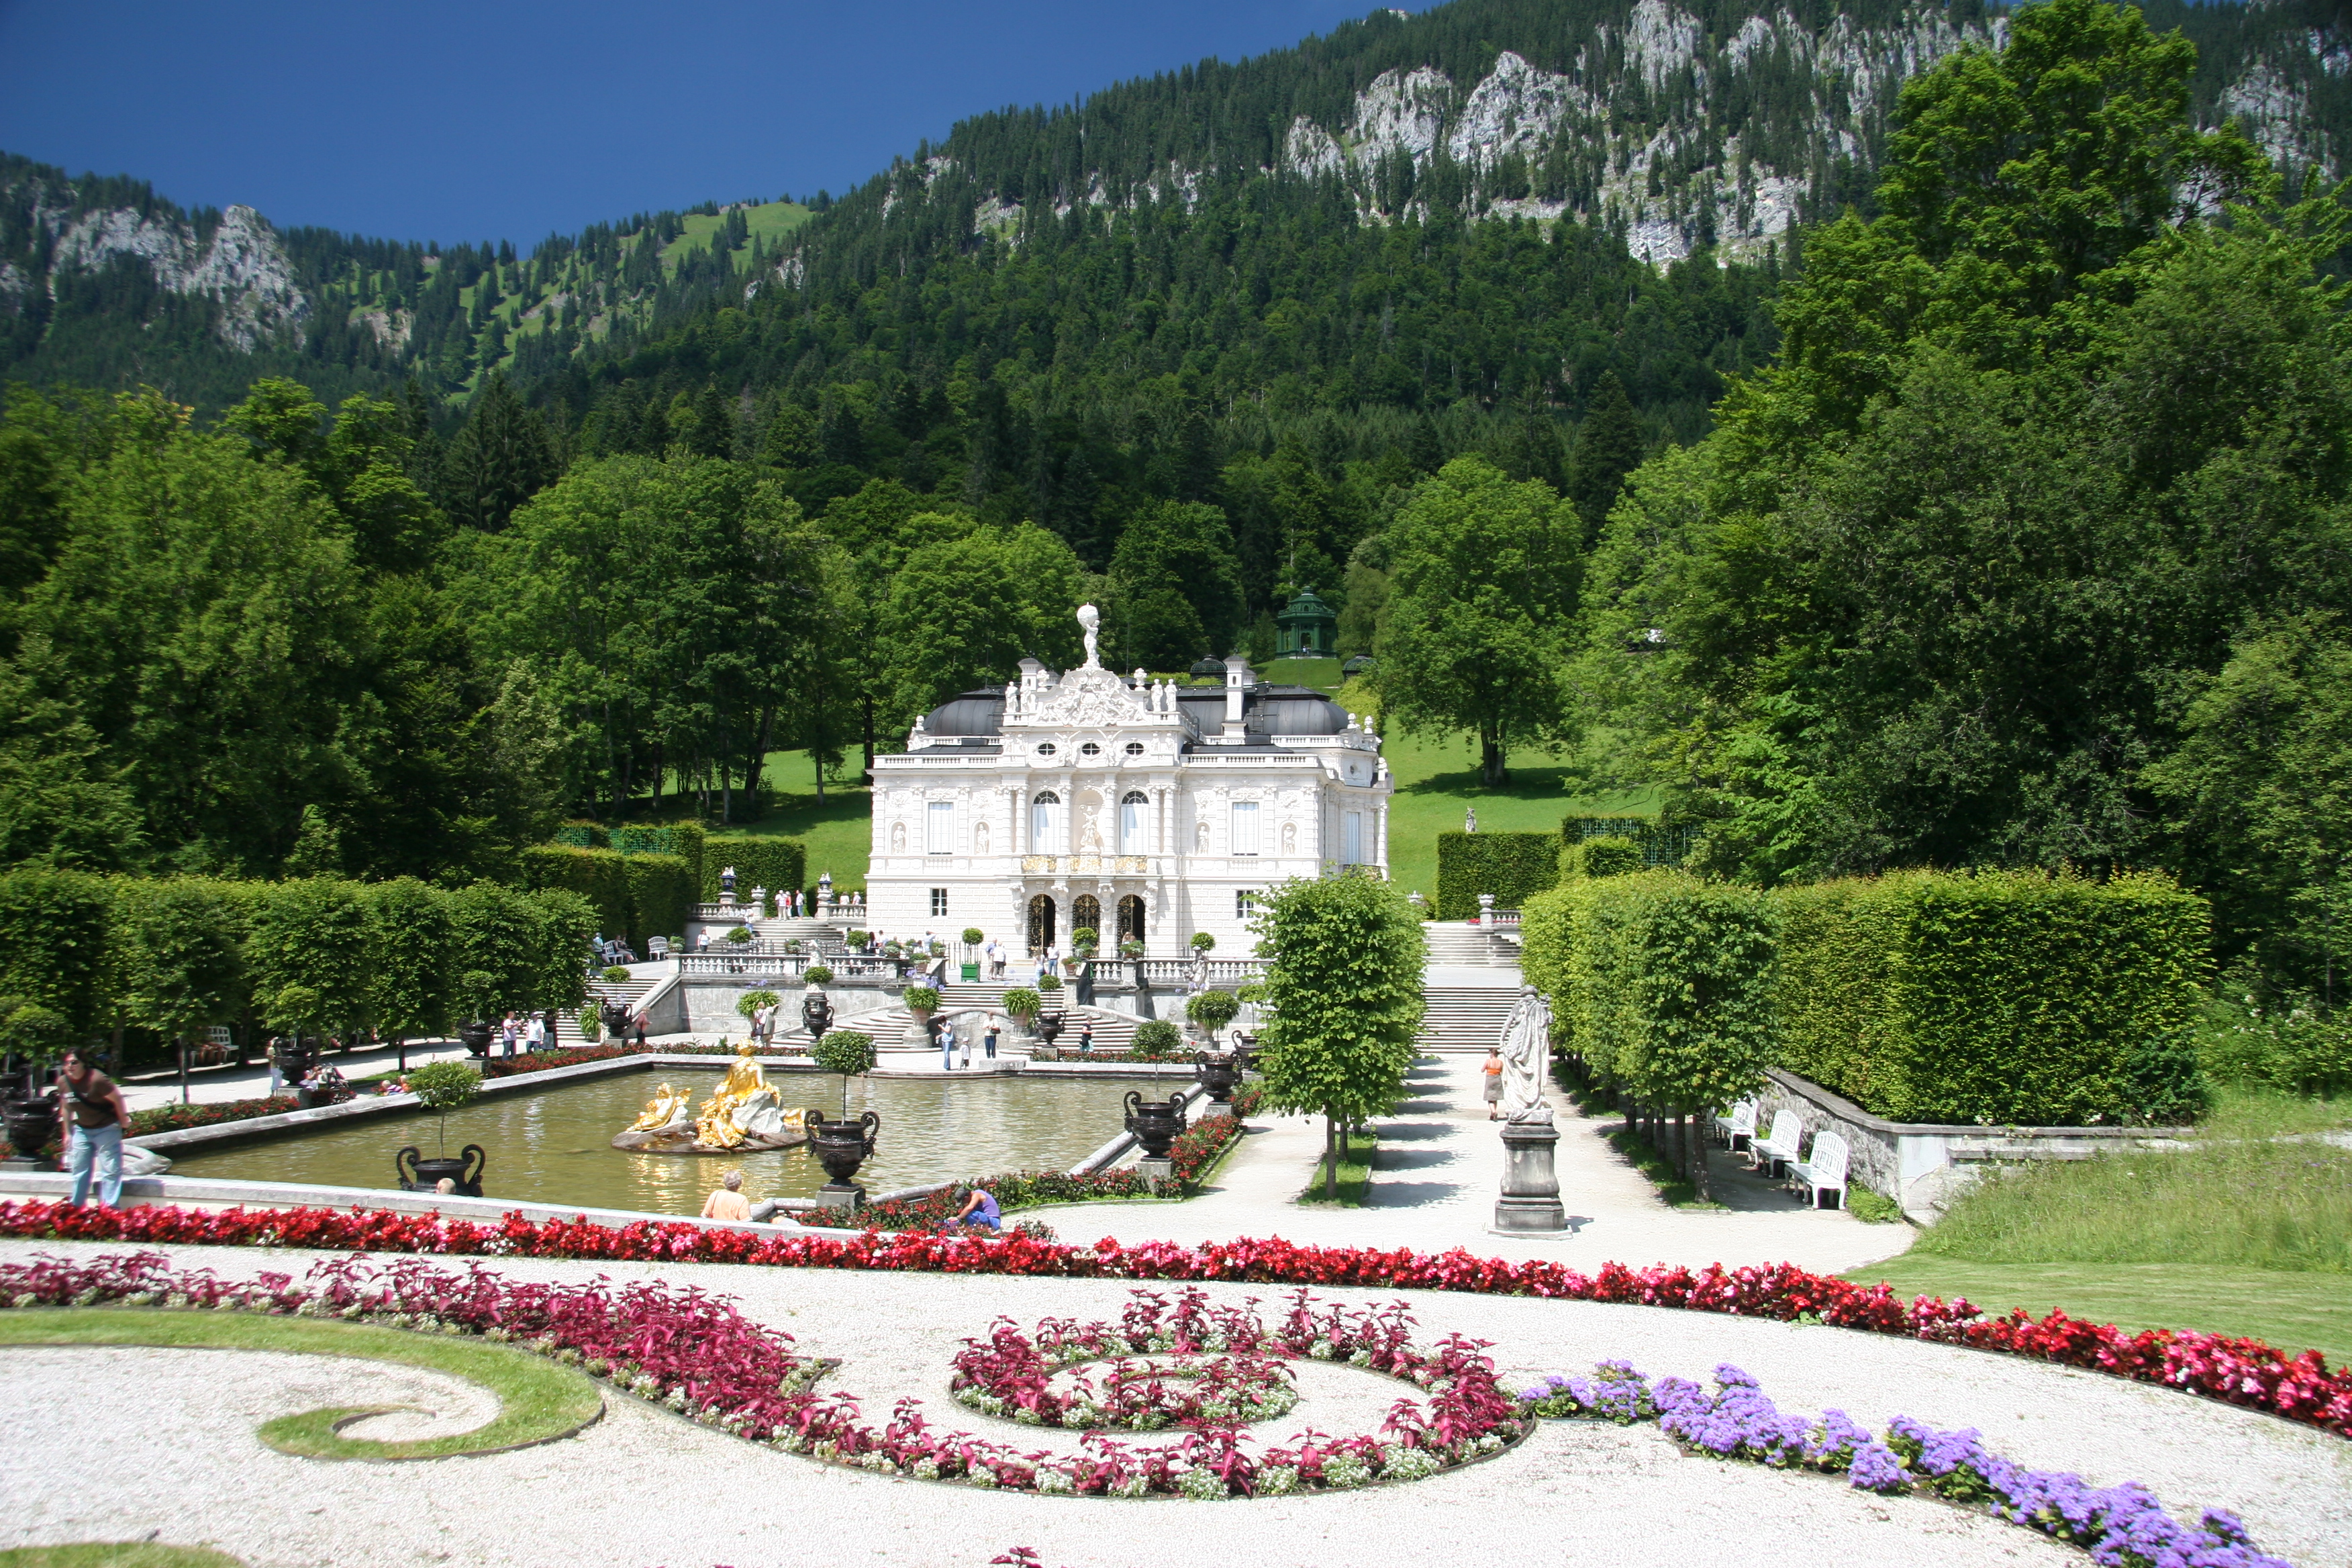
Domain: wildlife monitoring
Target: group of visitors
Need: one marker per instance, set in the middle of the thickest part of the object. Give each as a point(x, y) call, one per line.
point(535, 1032)
point(764, 1024)
point(726, 1202)
point(611, 951)
point(950, 1044)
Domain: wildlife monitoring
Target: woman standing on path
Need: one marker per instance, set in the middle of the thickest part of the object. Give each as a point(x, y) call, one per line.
point(1492, 1069)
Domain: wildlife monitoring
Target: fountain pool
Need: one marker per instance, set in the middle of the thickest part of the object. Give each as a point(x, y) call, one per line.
point(555, 1146)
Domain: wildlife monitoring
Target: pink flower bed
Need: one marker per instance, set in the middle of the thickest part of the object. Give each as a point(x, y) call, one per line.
point(2237, 1370)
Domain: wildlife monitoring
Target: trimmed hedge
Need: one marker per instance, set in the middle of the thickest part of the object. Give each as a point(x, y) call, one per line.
point(1514, 867)
point(662, 893)
point(1661, 982)
point(775, 863)
point(683, 839)
point(1659, 846)
point(2000, 998)
point(583, 836)
point(643, 895)
point(1601, 858)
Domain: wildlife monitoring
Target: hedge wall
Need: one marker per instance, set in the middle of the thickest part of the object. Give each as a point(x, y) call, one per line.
point(1514, 867)
point(1601, 858)
point(1659, 846)
point(1661, 982)
point(662, 893)
point(643, 895)
point(1996, 997)
point(683, 839)
point(775, 863)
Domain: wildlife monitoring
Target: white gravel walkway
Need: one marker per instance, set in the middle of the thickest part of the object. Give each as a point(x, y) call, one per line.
point(163, 1442)
point(1438, 1170)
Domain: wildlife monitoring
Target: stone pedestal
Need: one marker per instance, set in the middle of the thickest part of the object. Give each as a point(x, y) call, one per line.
point(841, 1195)
point(1530, 1200)
point(1158, 1169)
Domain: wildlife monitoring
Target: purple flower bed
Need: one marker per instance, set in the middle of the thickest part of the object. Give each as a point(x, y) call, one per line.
point(2121, 1526)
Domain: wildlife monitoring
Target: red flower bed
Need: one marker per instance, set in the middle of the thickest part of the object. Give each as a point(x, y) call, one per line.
point(541, 1062)
point(173, 1118)
point(2237, 1371)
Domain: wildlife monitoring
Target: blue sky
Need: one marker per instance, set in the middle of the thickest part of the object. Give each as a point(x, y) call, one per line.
point(489, 120)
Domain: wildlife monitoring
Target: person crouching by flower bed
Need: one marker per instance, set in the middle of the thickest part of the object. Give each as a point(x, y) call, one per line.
point(980, 1209)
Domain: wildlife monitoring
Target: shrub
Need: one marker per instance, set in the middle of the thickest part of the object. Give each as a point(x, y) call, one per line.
point(1085, 939)
point(617, 975)
point(1049, 982)
point(1212, 1010)
point(582, 834)
point(775, 863)
point(974, 936)
point(1156, 1039)
point(1601, 858)
point(857, 938)
point(740, 935)
point(1660, 846)
point(1023, 1003)
point(1514, 867)
point(1130, 948)
point(53, 940)
point(818, 975)
point(2010, 997)
point(2292, 1045)
point(599, 876)
point(683, 839)
point(921, 999)
point(1203, 942)
point(752, 1001)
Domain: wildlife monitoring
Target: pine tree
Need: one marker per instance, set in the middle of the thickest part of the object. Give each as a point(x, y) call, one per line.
point(1608, 447)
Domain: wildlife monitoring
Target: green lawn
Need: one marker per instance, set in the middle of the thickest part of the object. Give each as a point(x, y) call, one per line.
point(2293, 1311)
point(1355, 1172)
point(538, 1400)
point(117, 1554)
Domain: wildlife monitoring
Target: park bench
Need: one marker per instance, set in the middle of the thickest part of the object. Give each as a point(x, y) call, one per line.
point(1737, 1126)
point(1780, 1148)
point(1825, 1171)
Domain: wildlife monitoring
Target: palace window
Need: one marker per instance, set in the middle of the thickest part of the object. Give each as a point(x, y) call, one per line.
point(938, 828)
point(1354, 835)
point(1135, 748)
point(1045, 747)
point(1130, 822)
point(939, 901)
point(1245, 838)
point(1091, 750)
point(1244, 903)
point(1044, 810)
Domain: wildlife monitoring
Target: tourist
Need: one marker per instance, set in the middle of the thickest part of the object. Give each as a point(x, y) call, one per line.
point(980, 1209)
point(729, 1202)
point(93, 1115)
point(509, 1030)
point(991, 1041)
point(534, 1036)
point(995, 951)
point(554, 1028)
point(446, 1187)
point(1086, 1035)
point(640, 1026)
point(1492, 1069)
point(947, 1043)
point(393, 1086)
point(966, 1042)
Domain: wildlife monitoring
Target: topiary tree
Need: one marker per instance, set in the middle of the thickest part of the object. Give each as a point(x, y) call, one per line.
point(444, 1087)
point(179, 958)
point(846, 1052)
point(1345, 985)
point(1049, 982)
point(1084, 940)
point(34, 1035)
point(1157, 1039)
point(1203, 941)
point(411, 991)
point(1212, 1010)
point(974, 936)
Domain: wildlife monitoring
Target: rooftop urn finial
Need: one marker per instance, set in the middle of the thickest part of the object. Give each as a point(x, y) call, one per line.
point(1091, 619)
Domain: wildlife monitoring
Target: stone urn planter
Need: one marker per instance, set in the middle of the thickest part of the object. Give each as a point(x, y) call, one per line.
point(1156, 1124)
point(477, 1038)
point(419, 1174)
point(816, 1013)
point(1218, 1075)
point(294, 1058)
point(1048, 1026)
point(842, 1145)
point(32, 1125)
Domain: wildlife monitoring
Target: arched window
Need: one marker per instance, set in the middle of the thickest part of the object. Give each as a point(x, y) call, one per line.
point(1085, 914)
point(1130, 823)
point(1045, 814)
point(1130, 919)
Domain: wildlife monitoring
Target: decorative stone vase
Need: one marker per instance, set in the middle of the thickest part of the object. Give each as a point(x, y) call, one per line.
point(294, 1058)
point(816, 1013)
point(476, 1036)
point(418, 1174)
point(1156, 1124)
point(31, 1124)
point(1048, 1026)
point(841, 1147)
point(1217, 1074)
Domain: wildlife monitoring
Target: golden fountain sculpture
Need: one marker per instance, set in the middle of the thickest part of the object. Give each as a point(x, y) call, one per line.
point(742, 1114)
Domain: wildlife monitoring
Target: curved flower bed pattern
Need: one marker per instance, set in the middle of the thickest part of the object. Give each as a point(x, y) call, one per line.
point(2236, 1371)
point(2119, 1525)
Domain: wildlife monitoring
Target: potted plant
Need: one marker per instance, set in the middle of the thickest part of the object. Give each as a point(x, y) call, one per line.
point(35, 1035)
point(1130, 948)
point(857, 938)
point(1203, 941)
point(972, 937)
point(739, 936)
point(921, 1003)
point(442, 1088)
point(1021, 1005)
point(846, 1052)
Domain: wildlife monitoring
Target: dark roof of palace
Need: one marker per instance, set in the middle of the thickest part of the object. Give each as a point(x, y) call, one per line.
point(1265, 711)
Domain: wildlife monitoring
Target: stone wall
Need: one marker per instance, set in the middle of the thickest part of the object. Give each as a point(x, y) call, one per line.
point(1923, 1166)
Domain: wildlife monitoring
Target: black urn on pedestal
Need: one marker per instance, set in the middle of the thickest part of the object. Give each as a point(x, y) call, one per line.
point(294, 1057)
point(842, 1145)
point(1156, 1124)
point(1049, 1026)
point(476, 1036)
point(31, 1124)
point(1217, 1074)
point(816, 1015)
point(418, 1174)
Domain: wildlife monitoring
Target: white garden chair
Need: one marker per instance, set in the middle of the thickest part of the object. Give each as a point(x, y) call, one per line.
point(1780, 1147)
point(1825, 1171)
point(1737, 1126)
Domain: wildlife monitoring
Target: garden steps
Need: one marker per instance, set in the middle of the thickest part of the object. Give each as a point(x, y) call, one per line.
point(1465, 1017)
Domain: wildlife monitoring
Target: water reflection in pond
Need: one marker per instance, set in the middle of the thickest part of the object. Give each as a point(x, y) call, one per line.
point(555, 1146)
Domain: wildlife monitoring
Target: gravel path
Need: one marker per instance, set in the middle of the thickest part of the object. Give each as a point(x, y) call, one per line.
point(641, 1488)
point(1436, 1176)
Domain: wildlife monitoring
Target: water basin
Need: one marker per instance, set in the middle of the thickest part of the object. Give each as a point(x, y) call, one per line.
point(555, 1146)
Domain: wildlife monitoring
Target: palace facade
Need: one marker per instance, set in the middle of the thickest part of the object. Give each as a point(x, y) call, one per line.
point(1140, 809)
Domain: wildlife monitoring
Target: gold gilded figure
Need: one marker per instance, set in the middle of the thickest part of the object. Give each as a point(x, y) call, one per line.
point(662, 1109)
point(716, 1127)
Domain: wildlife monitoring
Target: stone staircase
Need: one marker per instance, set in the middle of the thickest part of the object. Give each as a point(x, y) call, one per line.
point(1465, 1017)
point(1113, 1031)
point(629, 993)
point(1457, 944)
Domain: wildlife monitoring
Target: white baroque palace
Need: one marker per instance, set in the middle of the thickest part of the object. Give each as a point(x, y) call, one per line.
point(1141, 809)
